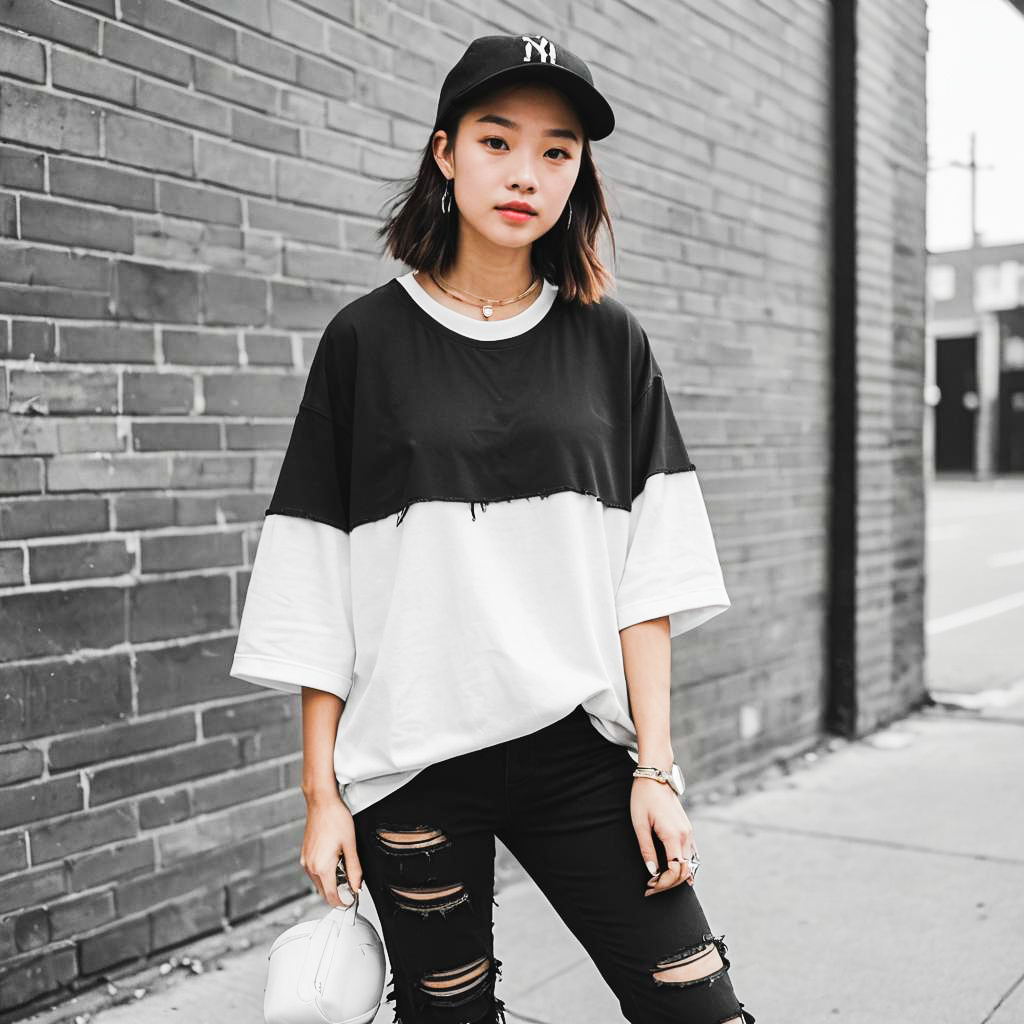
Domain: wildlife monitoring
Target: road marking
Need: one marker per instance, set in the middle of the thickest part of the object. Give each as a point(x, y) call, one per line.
point(978, 613)
point(1005, 558)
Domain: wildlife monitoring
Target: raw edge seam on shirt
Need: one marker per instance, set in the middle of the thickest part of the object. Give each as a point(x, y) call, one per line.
point(272, 510)
point(402, 509)
point(522, 497)
point(483, 502)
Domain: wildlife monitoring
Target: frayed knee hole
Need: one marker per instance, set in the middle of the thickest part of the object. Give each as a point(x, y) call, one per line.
point(458, 981)
point(428, 898)
point(420, 837)
point(696, 966)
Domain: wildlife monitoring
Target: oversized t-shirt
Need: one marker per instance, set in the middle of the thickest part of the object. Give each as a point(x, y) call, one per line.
point(466, 515)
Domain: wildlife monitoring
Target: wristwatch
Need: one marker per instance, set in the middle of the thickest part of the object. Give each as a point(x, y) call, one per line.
point(673, 778)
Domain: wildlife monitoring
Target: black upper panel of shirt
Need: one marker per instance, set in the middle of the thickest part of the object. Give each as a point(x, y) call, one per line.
point(392, 414)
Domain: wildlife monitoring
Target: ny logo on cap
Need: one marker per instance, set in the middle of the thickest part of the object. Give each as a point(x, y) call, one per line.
point(545, 49)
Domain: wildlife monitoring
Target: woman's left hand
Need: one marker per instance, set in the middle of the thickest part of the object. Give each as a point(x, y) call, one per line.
point(655, 806)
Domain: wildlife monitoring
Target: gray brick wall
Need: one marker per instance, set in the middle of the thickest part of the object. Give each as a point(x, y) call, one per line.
point(891, 171)
point(187, 194)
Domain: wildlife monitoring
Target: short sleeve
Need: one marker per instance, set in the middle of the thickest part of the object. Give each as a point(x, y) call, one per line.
point(671, 563)
point(296, 627)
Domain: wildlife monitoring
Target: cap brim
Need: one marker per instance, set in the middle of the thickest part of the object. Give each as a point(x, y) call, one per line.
point(594, 111)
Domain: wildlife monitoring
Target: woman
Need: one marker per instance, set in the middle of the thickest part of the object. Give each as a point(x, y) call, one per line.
point(485, 531)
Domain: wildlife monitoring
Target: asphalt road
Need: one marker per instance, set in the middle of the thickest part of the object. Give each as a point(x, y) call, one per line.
point(974, 589)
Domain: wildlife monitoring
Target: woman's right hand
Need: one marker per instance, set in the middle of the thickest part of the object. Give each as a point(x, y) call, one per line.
point(330, 837)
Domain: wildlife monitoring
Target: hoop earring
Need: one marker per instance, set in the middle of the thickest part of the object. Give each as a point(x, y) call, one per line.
point(445, 195)
point(569, 221)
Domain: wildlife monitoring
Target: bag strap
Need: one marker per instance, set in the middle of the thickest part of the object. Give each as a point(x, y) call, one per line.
point(320, 948)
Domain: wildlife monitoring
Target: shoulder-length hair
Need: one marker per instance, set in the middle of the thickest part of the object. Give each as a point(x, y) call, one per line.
point(420, 235)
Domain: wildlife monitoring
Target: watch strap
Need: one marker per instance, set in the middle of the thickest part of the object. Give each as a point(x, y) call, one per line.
point(660, 775)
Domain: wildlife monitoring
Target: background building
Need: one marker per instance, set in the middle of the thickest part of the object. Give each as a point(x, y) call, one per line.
point(188, 192)
point(975, 359)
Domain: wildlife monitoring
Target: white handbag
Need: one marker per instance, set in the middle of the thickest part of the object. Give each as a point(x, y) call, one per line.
point(329, 971)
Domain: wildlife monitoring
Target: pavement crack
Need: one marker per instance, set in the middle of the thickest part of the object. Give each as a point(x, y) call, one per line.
point(1006, 995)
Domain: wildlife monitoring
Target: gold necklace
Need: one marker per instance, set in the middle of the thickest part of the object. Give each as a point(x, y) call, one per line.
point(486, 305)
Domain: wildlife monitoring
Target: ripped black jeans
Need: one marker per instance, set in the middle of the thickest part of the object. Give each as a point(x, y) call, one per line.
point(559, 800)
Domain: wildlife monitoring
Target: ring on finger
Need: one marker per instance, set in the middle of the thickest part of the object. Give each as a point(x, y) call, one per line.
point(692, 862)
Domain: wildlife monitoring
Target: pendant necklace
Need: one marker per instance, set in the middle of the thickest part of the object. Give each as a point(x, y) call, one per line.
point(486, 305)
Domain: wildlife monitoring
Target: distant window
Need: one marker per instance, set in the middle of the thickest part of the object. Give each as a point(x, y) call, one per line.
point(1013, 353)
point(997, 286)
point(942, 282)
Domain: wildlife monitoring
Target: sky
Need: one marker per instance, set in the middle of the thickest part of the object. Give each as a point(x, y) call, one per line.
point(975, 81)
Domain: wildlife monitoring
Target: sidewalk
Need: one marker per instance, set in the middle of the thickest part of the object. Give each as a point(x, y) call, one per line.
point(882, 883)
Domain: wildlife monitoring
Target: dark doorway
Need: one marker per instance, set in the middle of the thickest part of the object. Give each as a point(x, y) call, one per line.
point(1011, 421)
point(956, 375)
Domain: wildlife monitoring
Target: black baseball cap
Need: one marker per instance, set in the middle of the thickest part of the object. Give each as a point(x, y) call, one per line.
point(495, 61)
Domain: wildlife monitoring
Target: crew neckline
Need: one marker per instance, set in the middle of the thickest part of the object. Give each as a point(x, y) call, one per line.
point(466, 328)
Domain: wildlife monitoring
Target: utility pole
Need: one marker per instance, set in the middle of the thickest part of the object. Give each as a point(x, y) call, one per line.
point(973, 166)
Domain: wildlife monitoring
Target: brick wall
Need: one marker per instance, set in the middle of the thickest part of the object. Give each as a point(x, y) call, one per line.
point(891, 266)
point(187, 194)
point(727, 266)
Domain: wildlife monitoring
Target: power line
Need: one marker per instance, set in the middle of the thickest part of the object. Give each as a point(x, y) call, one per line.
point(973, 166)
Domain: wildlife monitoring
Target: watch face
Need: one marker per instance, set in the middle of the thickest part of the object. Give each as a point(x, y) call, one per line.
point(677, 779)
